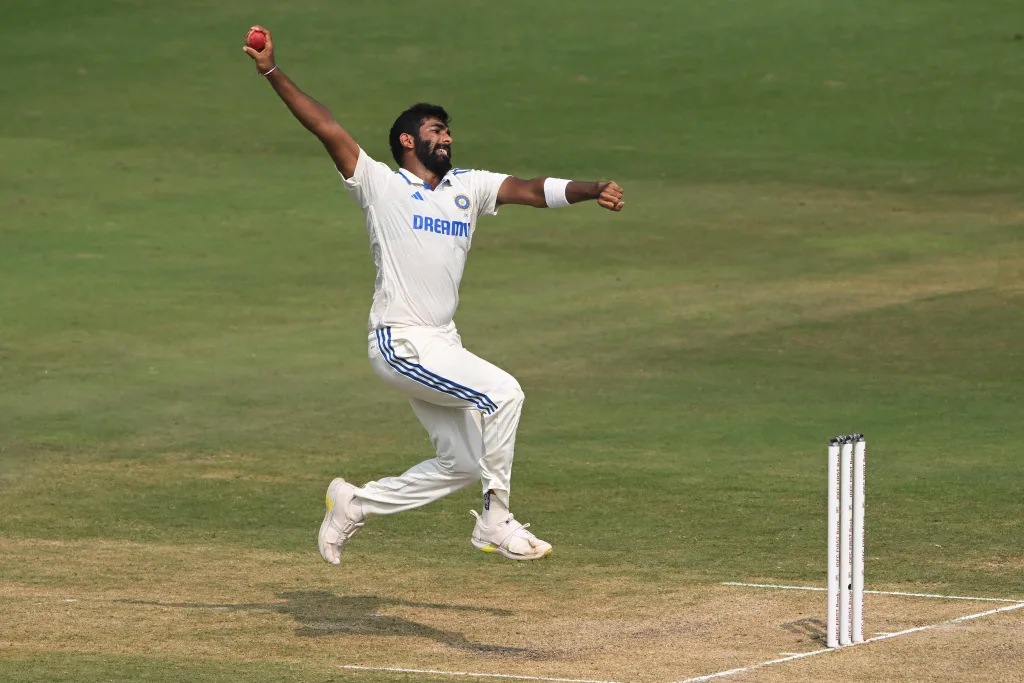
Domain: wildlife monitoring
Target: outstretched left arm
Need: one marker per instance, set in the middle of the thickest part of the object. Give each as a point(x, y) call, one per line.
point(531, 193)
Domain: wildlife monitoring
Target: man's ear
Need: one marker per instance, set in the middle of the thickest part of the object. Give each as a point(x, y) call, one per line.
point(408, 141)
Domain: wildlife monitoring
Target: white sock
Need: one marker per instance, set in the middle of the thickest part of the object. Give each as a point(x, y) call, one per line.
point(495, 508)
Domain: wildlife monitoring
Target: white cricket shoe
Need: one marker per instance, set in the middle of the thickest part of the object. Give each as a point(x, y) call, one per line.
point(340, 522)
point(508, 538)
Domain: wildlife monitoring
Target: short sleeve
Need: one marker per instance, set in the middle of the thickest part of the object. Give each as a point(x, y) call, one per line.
point(484, 186)
point(369, 180)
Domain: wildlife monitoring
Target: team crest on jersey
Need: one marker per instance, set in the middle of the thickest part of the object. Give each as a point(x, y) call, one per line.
point(462, 201)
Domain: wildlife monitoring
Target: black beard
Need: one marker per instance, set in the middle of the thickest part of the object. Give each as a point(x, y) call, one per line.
point(431, 160)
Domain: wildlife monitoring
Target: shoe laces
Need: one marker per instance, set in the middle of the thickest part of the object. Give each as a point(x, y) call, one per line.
point(523, 527)
point(346, 530)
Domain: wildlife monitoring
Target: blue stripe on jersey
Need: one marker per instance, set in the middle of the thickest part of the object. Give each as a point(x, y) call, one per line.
point(418, 373)
point(460, 171)
point(403, 177)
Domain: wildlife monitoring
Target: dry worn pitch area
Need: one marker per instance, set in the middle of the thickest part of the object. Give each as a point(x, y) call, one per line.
point(190, 603)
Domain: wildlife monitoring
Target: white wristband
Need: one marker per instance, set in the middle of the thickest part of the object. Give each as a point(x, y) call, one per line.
point(272, 70)
point(554, 192)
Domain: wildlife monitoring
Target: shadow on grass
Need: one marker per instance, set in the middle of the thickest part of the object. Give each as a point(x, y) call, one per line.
point(321, 613)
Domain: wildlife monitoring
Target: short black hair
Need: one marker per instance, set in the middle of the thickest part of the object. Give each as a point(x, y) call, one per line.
point(409, 121)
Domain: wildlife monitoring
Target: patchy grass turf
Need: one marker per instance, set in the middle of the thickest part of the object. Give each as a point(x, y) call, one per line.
point(824, 233)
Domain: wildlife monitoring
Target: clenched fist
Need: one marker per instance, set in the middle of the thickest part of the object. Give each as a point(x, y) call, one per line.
point(611, 196)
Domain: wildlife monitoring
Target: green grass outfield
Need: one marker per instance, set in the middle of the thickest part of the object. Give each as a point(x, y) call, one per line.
point(824, 232)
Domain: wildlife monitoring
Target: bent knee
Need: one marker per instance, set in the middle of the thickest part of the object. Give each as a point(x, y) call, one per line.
point(465, 469)
point(509, 393)
point(458, 463)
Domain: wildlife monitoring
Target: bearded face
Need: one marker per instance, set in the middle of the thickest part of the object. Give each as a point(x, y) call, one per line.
point(435, 157)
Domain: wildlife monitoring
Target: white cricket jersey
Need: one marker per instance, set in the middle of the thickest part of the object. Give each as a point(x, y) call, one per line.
point(419, 238)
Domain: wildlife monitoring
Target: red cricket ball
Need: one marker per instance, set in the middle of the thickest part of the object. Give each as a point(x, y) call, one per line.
point(257, 40)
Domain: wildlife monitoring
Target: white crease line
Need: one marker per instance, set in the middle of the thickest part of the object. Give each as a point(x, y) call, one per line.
point(744, 669)
point(886, 636)
point(906, 595)
point(466, 673)
point(969, 617)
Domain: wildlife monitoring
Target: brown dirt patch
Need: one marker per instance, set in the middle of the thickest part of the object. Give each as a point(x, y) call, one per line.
point(989, 649)
point(1001, 564)
point(208, 602)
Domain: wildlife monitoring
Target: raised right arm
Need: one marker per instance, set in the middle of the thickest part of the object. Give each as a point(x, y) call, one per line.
point(314, 116)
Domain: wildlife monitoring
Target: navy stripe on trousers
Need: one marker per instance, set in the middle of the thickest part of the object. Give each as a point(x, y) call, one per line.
point(430, 379)
point(481, 400)
point(418, 373)
point(456, 388)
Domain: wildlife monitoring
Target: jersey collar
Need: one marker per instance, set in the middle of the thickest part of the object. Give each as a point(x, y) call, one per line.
point(414, 179)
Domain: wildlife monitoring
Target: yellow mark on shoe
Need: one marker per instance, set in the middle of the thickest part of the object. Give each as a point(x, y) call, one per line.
point(330, 504)
point(489, 548)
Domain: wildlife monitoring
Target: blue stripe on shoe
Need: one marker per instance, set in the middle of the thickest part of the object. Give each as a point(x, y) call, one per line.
point(418, 373)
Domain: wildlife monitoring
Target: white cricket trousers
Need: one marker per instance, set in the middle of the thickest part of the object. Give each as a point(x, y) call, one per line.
point(469, 407)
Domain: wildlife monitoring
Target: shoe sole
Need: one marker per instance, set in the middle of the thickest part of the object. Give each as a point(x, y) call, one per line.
point(488, 547)
point(327, 519)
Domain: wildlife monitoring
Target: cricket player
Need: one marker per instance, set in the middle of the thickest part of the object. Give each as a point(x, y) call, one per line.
point(421, 220)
